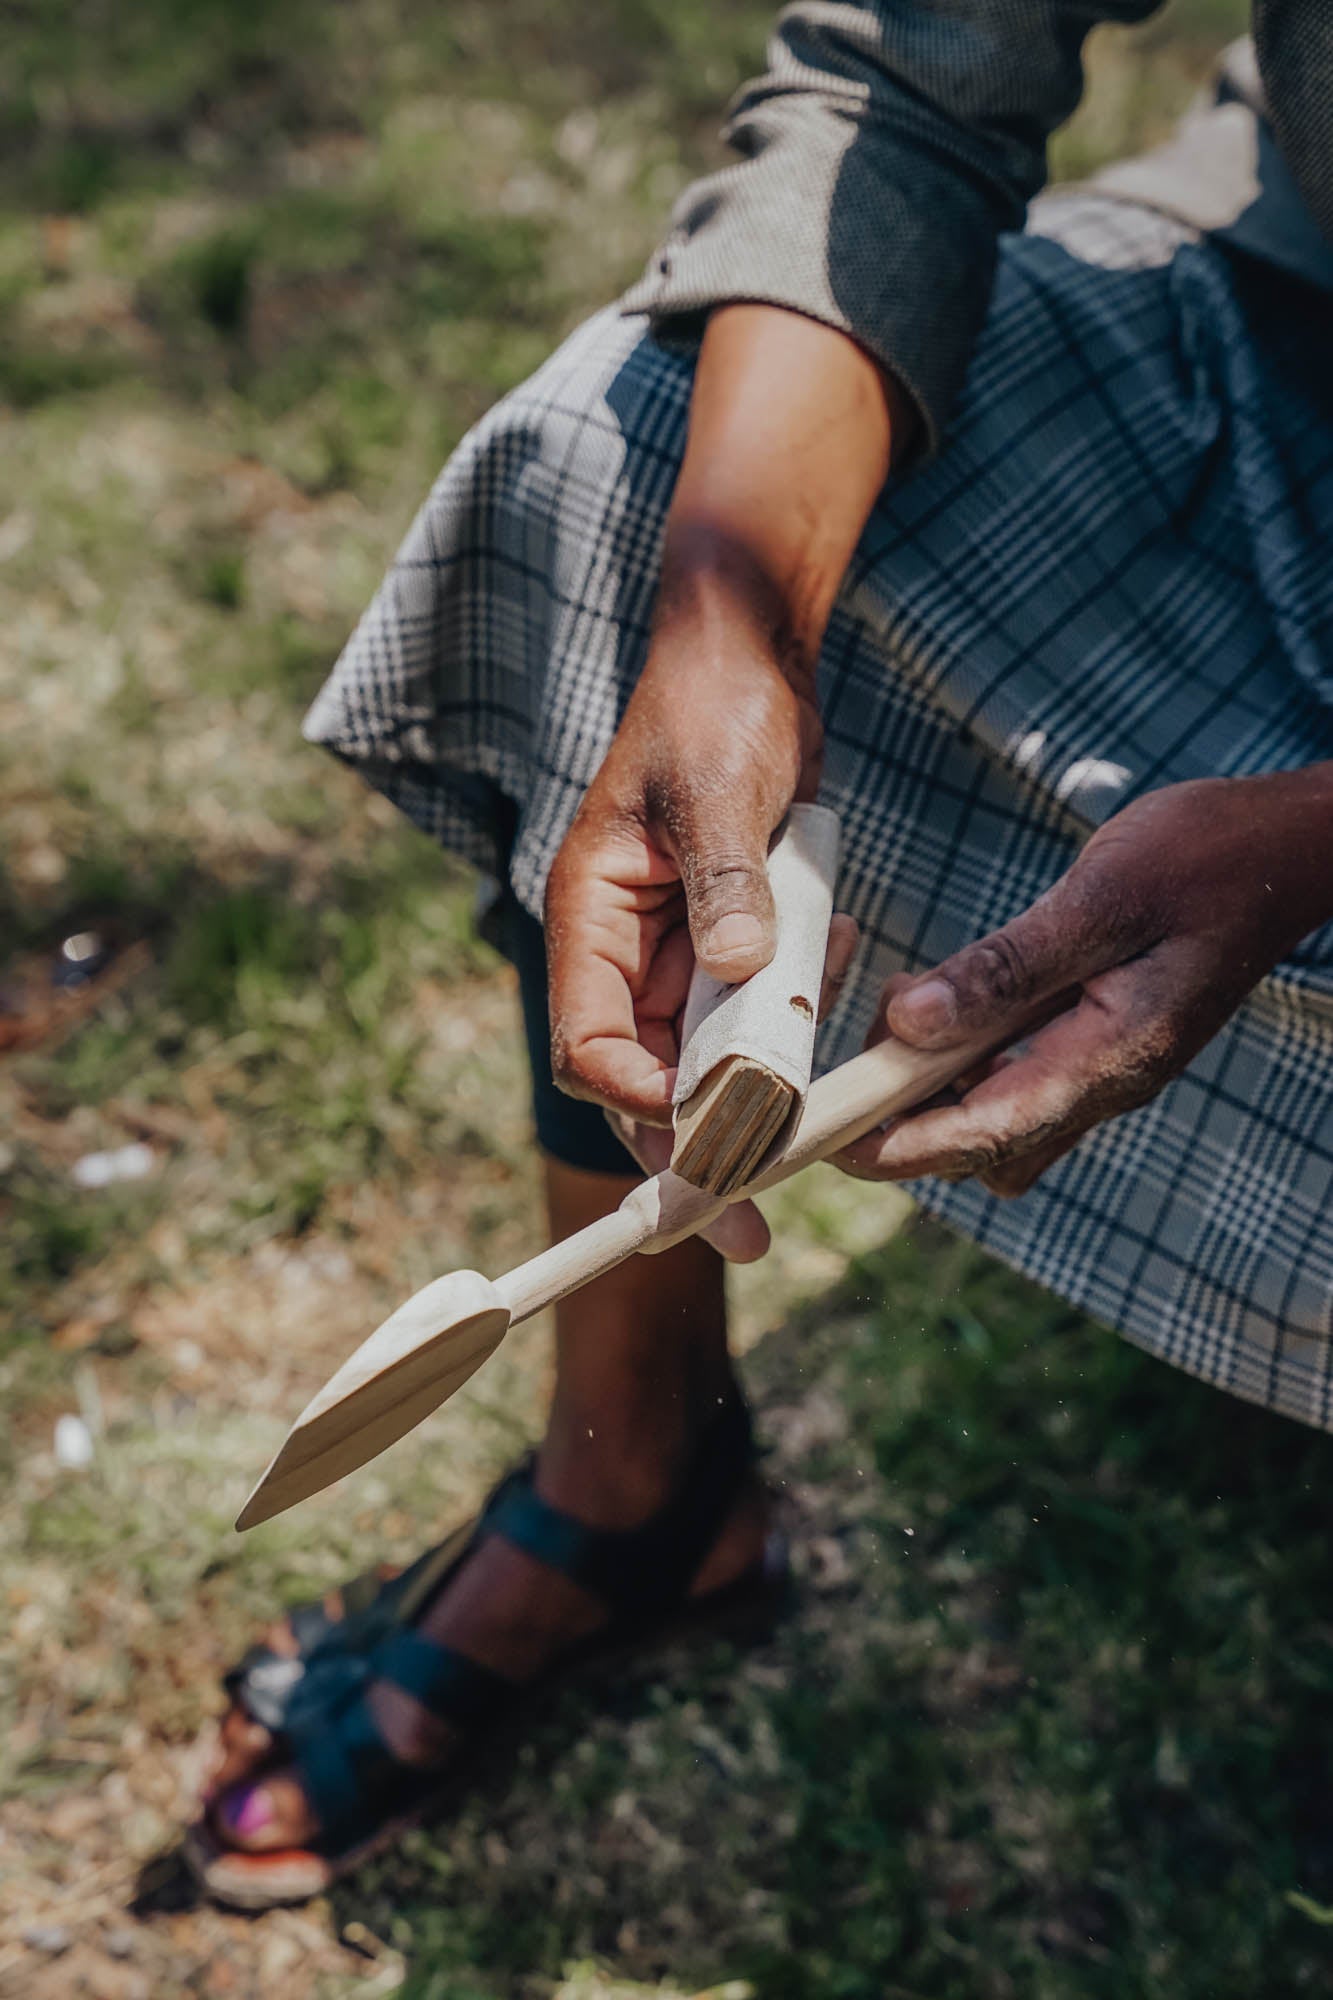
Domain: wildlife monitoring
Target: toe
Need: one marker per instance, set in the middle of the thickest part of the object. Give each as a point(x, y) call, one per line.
point(244, 1746)
point(280, 1639)
point(259, 1818)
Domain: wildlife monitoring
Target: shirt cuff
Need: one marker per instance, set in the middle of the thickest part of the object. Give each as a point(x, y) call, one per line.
point(852, 226)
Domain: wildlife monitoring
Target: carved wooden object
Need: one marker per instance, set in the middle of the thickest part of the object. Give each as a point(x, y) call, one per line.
point(432, 1344)
point(747, 1050)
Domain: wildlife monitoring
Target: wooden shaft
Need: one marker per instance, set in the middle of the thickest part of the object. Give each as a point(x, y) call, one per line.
point(852, 1099)
point(588, 1254)
point(841, 1107)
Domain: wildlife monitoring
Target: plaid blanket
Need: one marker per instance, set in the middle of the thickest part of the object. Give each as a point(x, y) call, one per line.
point(1118, 573)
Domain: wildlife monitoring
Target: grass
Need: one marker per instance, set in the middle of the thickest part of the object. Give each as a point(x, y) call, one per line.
point(1049, 1722)
point(259, 269)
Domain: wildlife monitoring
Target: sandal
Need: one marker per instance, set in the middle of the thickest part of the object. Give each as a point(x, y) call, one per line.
point(314, 1703)
point(264, 1681)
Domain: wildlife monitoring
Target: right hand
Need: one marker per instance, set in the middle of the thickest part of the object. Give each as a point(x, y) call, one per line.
point(665, 864)
point(791, 432)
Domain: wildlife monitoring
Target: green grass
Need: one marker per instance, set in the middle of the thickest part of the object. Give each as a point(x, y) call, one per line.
point(1142, 1777)
point(1054, 1727)
point(260, 267)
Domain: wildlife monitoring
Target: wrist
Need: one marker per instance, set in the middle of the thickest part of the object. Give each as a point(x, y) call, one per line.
point(735, 609)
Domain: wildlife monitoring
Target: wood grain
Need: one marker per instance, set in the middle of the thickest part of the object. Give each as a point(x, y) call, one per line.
point(727, 1127)
point(748, 1049)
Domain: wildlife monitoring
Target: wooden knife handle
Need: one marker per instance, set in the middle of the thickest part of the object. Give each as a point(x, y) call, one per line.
point(747, 1050)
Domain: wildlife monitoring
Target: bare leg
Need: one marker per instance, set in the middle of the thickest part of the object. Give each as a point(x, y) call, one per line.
point(641, 1365)
point(641, 1361)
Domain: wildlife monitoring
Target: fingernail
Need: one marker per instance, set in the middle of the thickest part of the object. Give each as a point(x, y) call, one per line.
point(929, 1008)
point(732, 935)
point(249, 1812)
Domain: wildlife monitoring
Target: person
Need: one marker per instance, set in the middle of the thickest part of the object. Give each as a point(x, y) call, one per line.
point(1014, 545)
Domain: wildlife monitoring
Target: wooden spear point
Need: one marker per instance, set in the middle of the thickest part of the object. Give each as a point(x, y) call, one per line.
point(408, 1366)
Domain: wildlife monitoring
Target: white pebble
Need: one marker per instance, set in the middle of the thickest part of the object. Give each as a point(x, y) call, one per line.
point(73, 1443)
point(123, 1163)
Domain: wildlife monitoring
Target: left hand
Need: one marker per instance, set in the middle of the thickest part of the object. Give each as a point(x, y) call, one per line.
point(1173, 912)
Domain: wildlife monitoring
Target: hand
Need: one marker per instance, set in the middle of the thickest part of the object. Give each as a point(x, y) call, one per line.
point(791, 432)
point(740, 1232)
point(665, 863)
point(1174, 911)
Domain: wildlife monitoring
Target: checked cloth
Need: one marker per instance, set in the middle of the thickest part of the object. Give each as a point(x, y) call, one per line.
point(1117, 573)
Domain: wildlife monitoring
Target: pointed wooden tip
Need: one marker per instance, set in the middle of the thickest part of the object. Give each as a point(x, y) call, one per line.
point(260, 1506)
point(404, 1370)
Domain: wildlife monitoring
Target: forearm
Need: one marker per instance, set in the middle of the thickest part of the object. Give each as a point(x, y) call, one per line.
point(792, 431)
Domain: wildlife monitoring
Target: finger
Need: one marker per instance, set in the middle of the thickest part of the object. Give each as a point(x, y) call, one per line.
point(1081, 927)
point(975, 1136)
point(616, 1072)
point(661, 995)
point(739, 1234)
point(1088, 1064)
point(843, 937)
point(610, 907)
point(879, 1029)
point(720, 839)
point(1015, 1177)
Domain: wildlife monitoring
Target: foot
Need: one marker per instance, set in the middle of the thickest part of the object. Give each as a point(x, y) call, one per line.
point(501, 1608)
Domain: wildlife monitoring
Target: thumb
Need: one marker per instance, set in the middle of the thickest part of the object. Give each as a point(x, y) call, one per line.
point(721, 849)
point(1079, 928)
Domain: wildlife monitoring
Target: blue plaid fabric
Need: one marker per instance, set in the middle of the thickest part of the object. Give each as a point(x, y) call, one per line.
point(1116, 574)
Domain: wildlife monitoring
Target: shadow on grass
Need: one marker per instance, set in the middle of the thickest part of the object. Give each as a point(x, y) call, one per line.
point(1051, 1717)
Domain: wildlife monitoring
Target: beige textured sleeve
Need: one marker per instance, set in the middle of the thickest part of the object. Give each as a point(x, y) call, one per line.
point(880, 156)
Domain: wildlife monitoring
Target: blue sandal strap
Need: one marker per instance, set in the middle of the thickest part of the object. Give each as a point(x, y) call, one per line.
point(634, 1570)
point(451, 1687)
point(352, 1777)
point(353, 1780)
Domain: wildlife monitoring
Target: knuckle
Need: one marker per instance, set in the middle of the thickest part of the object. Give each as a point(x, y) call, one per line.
point(726, 877)
point(1138, 1089)
point(1154, 1050)
point(988, 1153)
point(1116, 885)
point(978, 1156)
point(567, 1072)
point(997, 971)
point(726, 865)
